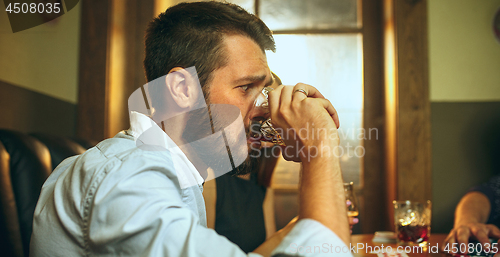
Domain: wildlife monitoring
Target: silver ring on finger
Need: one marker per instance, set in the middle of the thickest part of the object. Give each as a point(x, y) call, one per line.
point(300, 90)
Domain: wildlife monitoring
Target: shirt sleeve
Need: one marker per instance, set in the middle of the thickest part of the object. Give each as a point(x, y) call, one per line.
point(492, 190)
point(311, 238)
point(144, 213)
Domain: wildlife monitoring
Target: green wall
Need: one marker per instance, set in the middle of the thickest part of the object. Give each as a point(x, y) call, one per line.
point(43, 59)
point(464, 56)
point(39, 75)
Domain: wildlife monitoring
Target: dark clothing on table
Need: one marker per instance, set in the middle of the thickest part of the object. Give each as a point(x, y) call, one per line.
point(492, 190)
point(239, 214)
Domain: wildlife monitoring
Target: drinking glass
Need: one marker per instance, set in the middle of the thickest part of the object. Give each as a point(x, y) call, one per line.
point(262, 129)
point(413, 222)
point(350, 197)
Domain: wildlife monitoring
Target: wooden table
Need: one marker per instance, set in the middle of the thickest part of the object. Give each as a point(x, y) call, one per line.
point(435, 241)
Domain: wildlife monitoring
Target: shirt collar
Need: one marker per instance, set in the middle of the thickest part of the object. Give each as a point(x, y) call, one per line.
point(146, 132)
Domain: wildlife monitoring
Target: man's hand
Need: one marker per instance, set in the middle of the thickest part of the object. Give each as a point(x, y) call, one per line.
point(479, 231)
point(470, 217)
point(309, 123)
point(306, 122)
point(352, 220)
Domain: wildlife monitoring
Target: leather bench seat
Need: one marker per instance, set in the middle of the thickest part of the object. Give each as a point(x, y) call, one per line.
point(25, 163)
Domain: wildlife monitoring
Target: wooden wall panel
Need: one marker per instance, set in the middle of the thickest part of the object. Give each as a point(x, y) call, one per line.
point(373, 216)
point(111, 55)
point(414, 137)
point(408, 137)
point(29, 111)
point(93, 80)
point(127, 56)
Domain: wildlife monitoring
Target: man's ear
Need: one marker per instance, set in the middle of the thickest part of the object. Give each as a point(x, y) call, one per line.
point(182, 90)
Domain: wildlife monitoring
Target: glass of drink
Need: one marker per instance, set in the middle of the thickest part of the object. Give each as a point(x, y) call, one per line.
point(350, 197)
point(412, 221)
point(262, 129)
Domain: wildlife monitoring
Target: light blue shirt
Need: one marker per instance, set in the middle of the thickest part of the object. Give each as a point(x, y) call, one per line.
point(118, 199)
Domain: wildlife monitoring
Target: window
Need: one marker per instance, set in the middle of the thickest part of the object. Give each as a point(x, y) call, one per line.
point(319, 42)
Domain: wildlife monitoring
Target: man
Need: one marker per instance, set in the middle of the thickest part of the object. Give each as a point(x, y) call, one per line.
point(129, 197)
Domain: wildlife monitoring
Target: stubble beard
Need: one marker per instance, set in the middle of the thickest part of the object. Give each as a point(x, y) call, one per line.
point(250, 164)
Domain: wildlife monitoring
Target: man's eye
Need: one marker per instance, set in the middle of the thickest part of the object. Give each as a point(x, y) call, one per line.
point(245, 87)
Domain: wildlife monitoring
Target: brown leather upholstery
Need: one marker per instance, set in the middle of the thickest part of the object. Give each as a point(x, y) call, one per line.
point(25, 164)
point(60, 148)
point(10, 234)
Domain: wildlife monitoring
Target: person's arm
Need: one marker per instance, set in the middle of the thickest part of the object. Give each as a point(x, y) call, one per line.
point(266, 248)
point(471, 214)
point(473, 208)
point(322, 196)
point(308, 124)
point(313, 120)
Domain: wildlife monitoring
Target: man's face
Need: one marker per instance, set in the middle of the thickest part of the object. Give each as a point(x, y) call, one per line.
point(242, 79)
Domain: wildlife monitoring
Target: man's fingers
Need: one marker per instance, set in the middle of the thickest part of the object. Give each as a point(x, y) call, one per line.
point(497, 254)
point(482, 236)
point(331, 110)
point(450, 239)
point(310, 90)
point(299, 94)
point(264, 144)
point(274, 100)
point(282, 96)
point(493, 231)
point(303, 91)
point(286, 96)
point(462, 235)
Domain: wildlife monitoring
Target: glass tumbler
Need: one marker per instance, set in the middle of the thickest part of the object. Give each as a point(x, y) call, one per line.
point(262, 129)
point(412, 221)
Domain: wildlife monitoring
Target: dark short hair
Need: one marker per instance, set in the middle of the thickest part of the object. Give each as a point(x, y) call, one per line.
point(191, 34)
